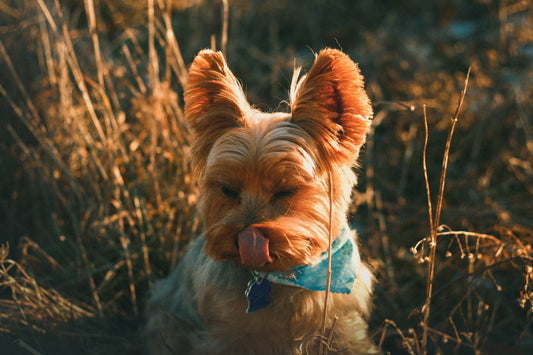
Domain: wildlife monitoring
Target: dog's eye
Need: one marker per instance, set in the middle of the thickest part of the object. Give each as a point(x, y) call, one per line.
point(289, 192)
point(229, 192)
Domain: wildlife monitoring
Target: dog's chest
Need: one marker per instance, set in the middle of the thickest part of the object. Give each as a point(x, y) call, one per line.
point(292, 312)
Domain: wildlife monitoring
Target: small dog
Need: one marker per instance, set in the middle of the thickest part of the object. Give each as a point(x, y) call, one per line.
point(274, 188)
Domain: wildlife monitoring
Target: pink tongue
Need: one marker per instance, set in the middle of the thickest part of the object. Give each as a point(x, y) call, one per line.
point(253, 247)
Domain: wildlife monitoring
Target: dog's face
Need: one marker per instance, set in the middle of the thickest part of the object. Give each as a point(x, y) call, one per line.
point(265, 178)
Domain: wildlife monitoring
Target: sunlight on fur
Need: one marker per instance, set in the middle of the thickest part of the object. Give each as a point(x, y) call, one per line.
point(265, 199)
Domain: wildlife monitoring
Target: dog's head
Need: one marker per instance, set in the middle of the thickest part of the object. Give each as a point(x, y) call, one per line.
point(265, 177)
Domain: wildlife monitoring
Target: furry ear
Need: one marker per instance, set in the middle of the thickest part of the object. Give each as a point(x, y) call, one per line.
point(331, 105)
point(214, 103)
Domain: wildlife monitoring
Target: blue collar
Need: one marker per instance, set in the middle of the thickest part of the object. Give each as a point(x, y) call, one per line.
point(314, 276)
point(311, 277)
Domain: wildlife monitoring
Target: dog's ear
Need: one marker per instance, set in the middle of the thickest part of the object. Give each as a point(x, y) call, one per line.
point(331, 105)
point(214, 103)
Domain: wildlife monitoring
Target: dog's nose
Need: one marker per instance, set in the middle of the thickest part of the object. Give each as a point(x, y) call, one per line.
point(253, 207)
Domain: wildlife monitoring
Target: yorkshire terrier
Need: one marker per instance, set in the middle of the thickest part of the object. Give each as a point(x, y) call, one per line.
point(274, 190)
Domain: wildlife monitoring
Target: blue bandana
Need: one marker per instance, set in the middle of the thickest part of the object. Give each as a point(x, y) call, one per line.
point(311, 277)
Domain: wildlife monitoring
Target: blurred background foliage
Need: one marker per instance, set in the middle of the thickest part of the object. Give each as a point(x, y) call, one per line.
point(97, 200)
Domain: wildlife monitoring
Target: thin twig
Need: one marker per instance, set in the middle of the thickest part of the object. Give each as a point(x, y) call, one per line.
point(330, 241)
point(142, 223)
point(330, 337)
point(47, 14)
point(401, 104)
point(27, 347)
point(225, 16)
point(447, 150)
point(124, 240)
point(433, 224)
point(153, 67)
point(424, 162)
point(431, 265)
point(20, 85)
point(181, 68)
point(91, 17)
point(405, 340)
point(86, 262)
point(45, 38)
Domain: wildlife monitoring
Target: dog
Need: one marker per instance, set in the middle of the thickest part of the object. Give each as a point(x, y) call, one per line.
point(274, 190)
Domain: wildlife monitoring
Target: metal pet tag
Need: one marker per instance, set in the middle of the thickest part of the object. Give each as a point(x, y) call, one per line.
point(258, 294)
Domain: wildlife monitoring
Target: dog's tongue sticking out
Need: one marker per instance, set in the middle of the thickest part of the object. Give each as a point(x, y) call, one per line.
point(253, 247)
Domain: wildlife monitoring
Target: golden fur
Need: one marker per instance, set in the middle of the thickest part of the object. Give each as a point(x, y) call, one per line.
point(270, 171)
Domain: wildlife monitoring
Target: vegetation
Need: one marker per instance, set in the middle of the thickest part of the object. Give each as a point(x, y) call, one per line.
point(97, 200)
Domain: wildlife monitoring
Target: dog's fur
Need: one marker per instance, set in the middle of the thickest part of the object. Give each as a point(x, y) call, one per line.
point(275, 174)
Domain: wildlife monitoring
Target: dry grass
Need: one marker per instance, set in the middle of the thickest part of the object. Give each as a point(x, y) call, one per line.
point(99, 201)
point(33, 304)
point(110, 155)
